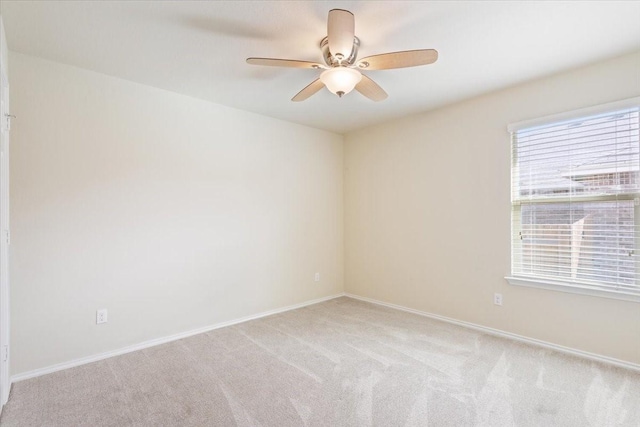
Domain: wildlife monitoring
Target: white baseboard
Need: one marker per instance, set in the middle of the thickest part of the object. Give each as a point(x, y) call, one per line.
point(162, 340)
point(504, 334)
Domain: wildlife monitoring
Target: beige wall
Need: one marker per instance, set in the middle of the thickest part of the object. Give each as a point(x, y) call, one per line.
point(427, 214)
point(172, 213)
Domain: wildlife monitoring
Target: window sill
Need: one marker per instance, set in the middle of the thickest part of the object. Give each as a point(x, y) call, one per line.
point(571, 288)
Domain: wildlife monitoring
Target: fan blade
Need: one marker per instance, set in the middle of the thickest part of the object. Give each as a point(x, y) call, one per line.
point(370, 89)
point(407, 58)
point(311, 89)
point(340, 32)
point(292, 63)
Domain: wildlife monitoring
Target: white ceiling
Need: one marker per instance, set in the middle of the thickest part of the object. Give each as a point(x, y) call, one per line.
point(198, 48)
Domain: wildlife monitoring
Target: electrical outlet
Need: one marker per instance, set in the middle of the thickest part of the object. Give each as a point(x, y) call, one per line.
point(101, 316)
point(497, 299)
point(317, 277)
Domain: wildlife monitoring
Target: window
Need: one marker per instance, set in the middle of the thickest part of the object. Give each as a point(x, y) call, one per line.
point(575, 201)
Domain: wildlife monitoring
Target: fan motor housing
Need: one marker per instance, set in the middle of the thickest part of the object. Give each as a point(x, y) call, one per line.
point(331, 61)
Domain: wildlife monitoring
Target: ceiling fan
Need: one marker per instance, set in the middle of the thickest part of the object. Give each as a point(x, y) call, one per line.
point(342, 72)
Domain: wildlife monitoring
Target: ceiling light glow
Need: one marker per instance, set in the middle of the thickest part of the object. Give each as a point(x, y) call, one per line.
point(340, 80)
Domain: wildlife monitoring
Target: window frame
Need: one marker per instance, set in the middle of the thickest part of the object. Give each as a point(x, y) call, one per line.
point(560, 285)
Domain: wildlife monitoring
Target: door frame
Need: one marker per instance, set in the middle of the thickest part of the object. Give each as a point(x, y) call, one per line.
point(5, 123)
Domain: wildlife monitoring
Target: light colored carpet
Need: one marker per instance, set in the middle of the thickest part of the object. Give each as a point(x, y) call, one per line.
point(339, 363)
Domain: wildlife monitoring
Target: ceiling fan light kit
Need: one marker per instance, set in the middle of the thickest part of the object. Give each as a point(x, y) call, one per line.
point(342, 71)
point(340, 80)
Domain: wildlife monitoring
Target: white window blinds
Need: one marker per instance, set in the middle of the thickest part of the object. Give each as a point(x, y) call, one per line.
point(575, 196)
